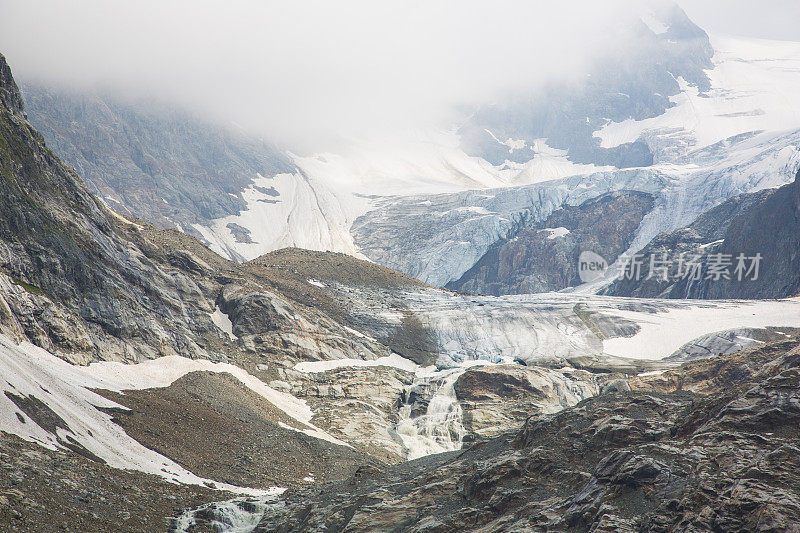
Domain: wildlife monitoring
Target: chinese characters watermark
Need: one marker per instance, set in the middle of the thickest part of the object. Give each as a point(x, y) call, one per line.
point(673, 267)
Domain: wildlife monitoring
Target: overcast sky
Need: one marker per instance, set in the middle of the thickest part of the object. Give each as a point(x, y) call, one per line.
point(763, 19)
point(296, 69)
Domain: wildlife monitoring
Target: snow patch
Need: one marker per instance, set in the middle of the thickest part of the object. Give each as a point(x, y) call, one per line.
point(394, 360)
point(663, 332)
point(30, 371)
point(656, 26)
point(306, 213)
point(223, 322)
point(555, 233)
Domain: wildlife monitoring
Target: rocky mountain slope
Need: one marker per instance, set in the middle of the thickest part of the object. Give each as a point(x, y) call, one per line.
point(543, 256)
point(82, 284)
point(765, 224)
point(150, 160)
point(709, 446)
point(90, 284)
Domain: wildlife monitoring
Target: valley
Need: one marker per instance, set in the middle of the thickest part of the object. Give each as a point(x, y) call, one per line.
point(202, 329)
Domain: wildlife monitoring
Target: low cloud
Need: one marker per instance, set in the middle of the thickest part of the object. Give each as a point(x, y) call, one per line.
point(301, 71)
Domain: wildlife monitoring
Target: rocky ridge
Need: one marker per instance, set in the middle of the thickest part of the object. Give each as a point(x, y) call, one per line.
point(766, 224)
point(543, 256)
point(710, 446)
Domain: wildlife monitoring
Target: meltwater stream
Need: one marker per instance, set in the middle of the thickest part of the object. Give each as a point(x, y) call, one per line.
point(239, 515)
point(440, 429)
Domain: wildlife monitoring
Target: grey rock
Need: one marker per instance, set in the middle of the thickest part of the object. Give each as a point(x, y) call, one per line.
point(766, 223)
point(536, 259)
point(635, 461)
point(156, 161)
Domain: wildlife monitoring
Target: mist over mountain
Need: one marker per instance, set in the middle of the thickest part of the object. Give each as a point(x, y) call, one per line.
point(314, 71)
point(383, 266)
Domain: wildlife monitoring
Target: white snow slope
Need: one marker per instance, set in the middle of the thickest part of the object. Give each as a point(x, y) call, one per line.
point(755, 86)
point(29, 371)
point(316, 205)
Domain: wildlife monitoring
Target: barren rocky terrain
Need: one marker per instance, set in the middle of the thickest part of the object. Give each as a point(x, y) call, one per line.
point(149, 384)
point(707, 447)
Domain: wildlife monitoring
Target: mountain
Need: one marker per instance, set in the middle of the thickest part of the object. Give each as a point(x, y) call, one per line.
point(705, 447)
point(543, 256)
point(688, 119)
point(765, 224)
point(149, 383)
point(624, 85)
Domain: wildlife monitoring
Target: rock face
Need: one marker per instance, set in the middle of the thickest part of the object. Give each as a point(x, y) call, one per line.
point(10, 97)
point(622, 461)
point(437, 238)
point(543, 256)
point(771, 229)
point(62, 253)
point(360, 404)
point(765, 224)
point(161, 164)
point(796, 192)
point(498, 399)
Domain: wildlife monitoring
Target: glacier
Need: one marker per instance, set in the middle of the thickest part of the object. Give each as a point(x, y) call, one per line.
point(421, 205)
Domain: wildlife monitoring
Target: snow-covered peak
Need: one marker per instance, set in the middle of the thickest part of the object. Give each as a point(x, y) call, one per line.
point(755, 87)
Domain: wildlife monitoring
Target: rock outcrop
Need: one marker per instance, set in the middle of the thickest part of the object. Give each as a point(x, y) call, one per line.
point(543, 256)
point(765, 224)
point(646, 460)
point(499, 398)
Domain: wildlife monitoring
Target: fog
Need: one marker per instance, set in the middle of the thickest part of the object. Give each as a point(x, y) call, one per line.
point(765, 19)
point(300, 71)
